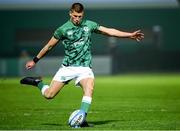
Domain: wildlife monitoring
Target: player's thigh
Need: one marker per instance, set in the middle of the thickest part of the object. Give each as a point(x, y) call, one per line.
point(56, 86)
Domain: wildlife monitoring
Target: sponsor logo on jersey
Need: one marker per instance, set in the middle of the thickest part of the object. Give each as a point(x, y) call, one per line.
point(80, 42)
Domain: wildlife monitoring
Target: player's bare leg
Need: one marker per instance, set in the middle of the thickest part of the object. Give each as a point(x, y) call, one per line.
point(87, 85)
point(53, 90)
point(48, 92)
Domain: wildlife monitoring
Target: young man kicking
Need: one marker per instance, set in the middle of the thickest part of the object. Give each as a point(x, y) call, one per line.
point(75, 35)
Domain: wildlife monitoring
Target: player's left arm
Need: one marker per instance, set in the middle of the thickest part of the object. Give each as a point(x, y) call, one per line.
point(137, 35)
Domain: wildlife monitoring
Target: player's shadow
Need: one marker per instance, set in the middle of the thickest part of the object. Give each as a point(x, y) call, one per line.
point(102, 122)
point(91, 123)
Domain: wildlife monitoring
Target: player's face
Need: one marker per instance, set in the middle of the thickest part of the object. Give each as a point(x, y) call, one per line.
point(76, 17)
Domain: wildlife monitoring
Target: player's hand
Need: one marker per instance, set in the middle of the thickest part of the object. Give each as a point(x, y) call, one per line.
point(30, 64)
point(137, 35)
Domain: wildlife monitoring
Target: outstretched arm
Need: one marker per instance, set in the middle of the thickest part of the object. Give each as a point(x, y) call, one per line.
point(52, 42)
point(137, 35)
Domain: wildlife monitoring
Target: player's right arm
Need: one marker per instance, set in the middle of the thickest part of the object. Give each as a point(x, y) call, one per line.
point(52, 42)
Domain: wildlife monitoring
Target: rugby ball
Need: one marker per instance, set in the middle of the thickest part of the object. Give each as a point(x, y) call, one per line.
point(77, 118)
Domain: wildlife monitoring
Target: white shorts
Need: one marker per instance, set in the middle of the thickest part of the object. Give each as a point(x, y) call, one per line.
point(66, 74)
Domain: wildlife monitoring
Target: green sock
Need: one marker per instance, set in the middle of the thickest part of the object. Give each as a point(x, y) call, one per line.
point(85, 104)
point(40, 85)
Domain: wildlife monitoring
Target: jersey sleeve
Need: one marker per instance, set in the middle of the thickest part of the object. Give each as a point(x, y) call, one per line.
point(94, 26)
point(58, 34)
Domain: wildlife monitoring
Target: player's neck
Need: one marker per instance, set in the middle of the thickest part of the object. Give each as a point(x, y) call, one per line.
point(76, 24)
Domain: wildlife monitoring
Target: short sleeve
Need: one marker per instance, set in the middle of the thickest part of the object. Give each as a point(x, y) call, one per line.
point(95, 26)
point(58, 34)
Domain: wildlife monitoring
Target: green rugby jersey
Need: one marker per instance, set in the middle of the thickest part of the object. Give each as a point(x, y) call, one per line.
point(77, 42)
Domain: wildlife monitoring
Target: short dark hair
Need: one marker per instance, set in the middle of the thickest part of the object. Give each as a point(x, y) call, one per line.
point(77, 7)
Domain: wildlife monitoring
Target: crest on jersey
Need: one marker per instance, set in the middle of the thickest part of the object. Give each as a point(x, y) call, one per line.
point(86, 29)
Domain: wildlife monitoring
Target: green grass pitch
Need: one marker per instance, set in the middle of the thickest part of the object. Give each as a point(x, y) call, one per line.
point(124, 102)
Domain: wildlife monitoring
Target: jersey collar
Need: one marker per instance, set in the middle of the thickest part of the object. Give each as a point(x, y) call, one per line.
point(77, 25)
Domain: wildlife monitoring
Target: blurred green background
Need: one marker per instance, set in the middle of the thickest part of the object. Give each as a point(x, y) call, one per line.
point(24, 31)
